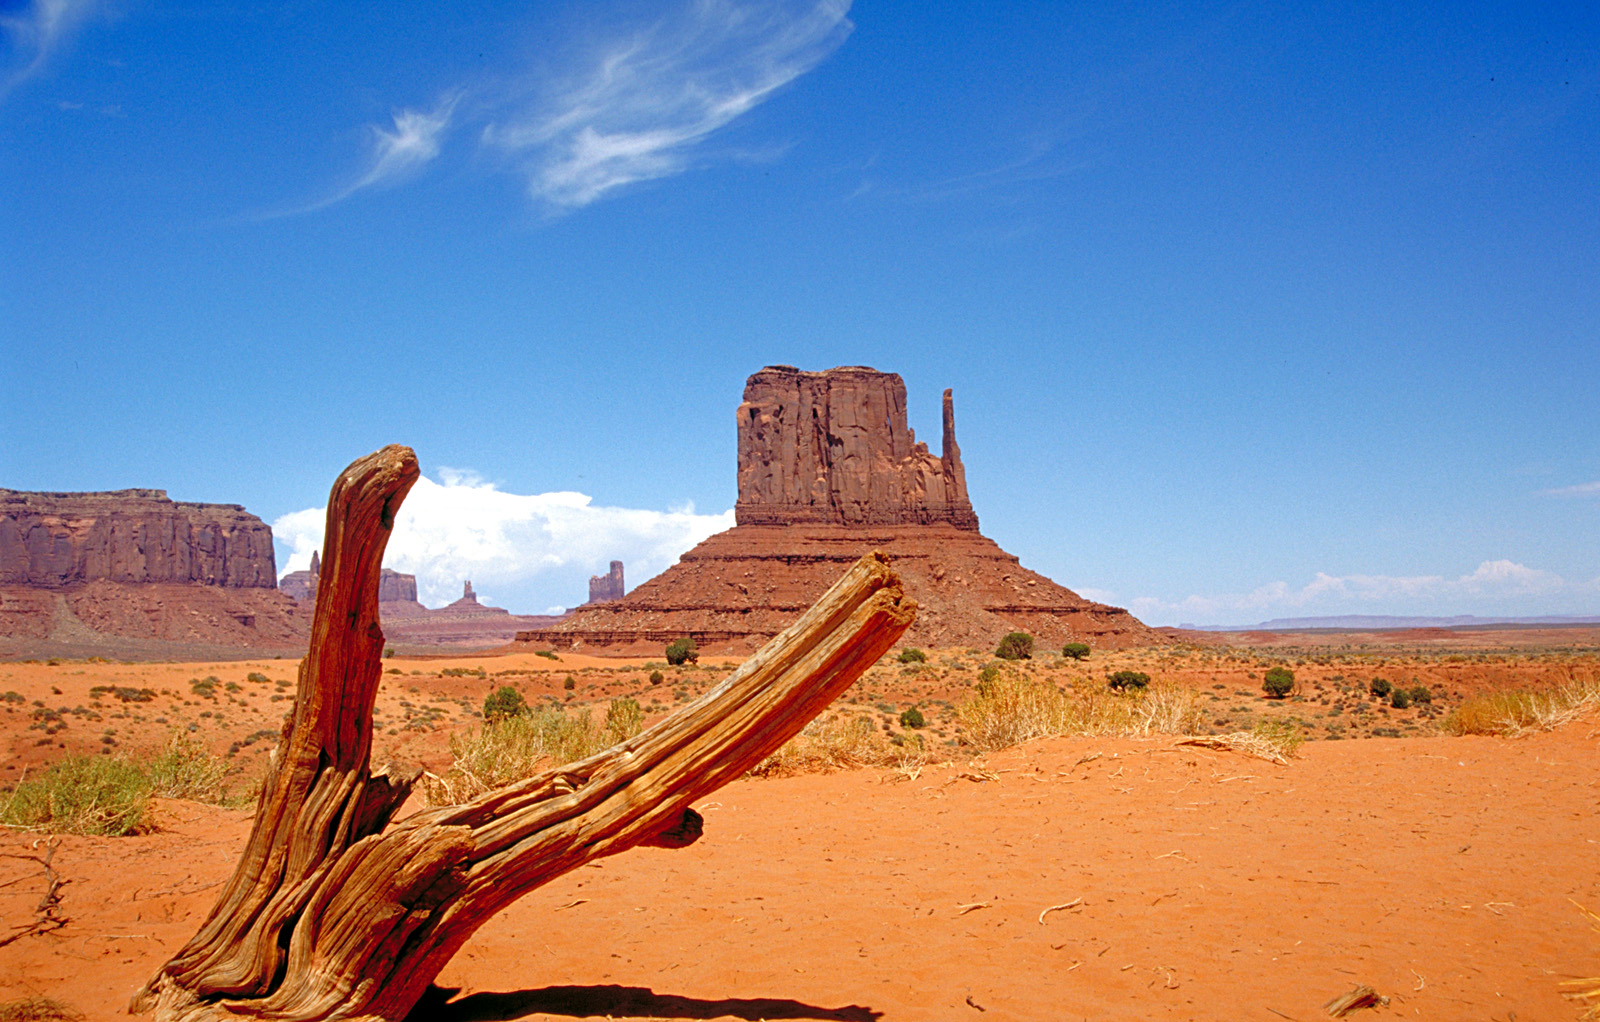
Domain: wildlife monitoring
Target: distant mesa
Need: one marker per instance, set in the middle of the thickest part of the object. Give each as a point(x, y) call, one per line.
point(83, 569)
point(828, 470)
point(466, 622)
point(608, 587)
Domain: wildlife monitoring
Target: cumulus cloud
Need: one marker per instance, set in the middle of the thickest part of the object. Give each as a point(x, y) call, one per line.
point(530, 553)
point(1494, 587)
point(37, 32)
point(642, 103)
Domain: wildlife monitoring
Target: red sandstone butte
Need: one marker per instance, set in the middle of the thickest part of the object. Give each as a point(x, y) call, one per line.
point(828, 470)
point(81, 569)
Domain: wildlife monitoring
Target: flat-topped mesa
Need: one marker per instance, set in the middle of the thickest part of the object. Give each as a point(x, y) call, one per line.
point(834, 448)
point(57, 540)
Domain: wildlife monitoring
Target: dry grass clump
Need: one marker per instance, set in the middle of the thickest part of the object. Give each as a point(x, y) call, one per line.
point(108, 795)
point(512, 748)
point(38, 1009)
point(1515, 711)
point(1585, 991)
point(1274, 740)
point(1010, 709)
point(841, 742)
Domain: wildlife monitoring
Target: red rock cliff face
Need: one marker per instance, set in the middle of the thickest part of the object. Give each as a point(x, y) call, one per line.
point(54, 540)
point(833, 448)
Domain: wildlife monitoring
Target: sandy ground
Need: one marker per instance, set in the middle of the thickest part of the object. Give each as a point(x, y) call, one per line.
point(1201, 885)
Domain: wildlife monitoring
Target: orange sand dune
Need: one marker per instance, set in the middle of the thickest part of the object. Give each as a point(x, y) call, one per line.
point(1201, 885)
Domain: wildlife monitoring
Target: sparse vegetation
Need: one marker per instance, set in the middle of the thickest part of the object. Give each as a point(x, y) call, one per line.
point(912, 655)
point(912, 718)
point(1012, 710)
point(1075, 651)
point(1122, 681)
point(1379, 687)
point(656, 677)
point(104, 795)
point(38, 1009)
point(1015, 646)
point(840, 742)
point(1512, 712)
point(569, 683)
point(1400, 699)
point(548, 654)
point(504, 702)
point(681, 651)
point(1278, 682)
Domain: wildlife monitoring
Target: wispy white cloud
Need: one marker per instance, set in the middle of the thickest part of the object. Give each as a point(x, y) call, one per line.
point(1581, 490)
point(36, 33)
point(1501, 586)
point(642, 104)
point(521, 551)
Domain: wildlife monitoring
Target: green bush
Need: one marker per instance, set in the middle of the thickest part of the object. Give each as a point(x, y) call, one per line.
point(1400, 699)
point(912, 718)
point(988, 673)
point(681, 651)
point(1379, 687)
point(656, 677)
point(911, 655)
point(186, 769)
point(1015, 646)
point(1422, 694)
point(548, 654)
point(80, 795)
point(1278, 682)
point(388, 651)
point(504, 702)
point(1075, 650)
point(570, 683)
point(1124, 680)
point(257, 677)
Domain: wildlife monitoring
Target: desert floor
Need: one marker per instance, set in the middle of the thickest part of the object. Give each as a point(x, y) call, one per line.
point(1186, 883)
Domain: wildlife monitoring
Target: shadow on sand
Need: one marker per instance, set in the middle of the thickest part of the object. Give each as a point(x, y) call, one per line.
point(605, 1001)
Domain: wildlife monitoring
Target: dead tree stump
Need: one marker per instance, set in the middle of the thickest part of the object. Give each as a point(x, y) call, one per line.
point(333, 914)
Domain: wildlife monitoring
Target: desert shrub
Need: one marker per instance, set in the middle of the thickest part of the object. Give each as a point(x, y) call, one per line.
point(681, 651)
point(912, 718)
point(569, 683)
point(624, 719)
point(1379, 687)
point(656, 677)
point(512, 749)
point(1283, 736)
point(548, 654)
point(1278, 682)
point(911, 655)
point(204, 686)
point(1015, 646)
point(187, 769)
point(1422, 694)
point(463, 672)
point(1513, 712)
point(13, 697)
point(257, 677)
point(1011, 710)
point(1124, 680)
point(80, 795)
point(1075, 650)
point(1400, 699)
point(988, 673)
point(388, 651)
point(826, 744)
point(124, 693)
point(504, 702)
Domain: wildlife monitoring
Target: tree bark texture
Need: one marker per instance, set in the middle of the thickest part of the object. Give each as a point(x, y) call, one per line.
point(333, 914)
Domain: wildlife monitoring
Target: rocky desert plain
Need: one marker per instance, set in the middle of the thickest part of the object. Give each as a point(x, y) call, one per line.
point(1139, 830)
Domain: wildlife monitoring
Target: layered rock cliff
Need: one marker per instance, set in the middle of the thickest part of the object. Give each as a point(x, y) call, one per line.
point(55, 540)
point(834, 448)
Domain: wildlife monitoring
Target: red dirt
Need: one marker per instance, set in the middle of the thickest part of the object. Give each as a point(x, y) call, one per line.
point(1438, 870)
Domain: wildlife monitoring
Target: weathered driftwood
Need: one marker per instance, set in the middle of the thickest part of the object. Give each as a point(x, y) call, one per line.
point(333, 914)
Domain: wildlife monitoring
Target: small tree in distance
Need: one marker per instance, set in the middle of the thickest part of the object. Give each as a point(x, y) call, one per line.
point(1124, 680)
point(1075, 650)
point(503, 703)
point(681, 651)
point(1015, 646)
point(1278, 682)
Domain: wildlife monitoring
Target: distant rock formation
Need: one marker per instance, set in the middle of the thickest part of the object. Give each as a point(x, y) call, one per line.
point(133, 572)
point(54, 540)
point(607, 587)
point(833, 448)
point(827, 471)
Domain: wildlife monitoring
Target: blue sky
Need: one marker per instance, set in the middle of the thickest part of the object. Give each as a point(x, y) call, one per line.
point(1250, 310)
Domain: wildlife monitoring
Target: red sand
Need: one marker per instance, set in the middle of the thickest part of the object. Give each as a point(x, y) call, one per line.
point(1212, 886)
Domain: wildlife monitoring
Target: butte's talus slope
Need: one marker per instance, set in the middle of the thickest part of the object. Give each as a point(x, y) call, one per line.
point(827, 471)
point(85, 570)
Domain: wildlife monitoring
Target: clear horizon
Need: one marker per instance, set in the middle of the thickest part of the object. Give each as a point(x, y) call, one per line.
point(1249, 312)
